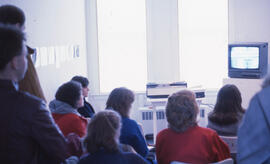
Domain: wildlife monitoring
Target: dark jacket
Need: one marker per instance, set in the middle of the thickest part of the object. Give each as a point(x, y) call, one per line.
point(105, 157)
point(87, 110)
point(28, 133)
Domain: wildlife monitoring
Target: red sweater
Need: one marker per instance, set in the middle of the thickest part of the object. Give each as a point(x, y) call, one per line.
point(197, 145)
point(71, 122)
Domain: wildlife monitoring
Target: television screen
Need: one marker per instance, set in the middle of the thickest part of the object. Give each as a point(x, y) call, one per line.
point(245, 57)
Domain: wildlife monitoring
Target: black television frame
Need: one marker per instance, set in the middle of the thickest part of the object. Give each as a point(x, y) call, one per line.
point(250, 73)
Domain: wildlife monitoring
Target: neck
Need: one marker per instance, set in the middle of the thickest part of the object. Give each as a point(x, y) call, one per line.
point(5, 75)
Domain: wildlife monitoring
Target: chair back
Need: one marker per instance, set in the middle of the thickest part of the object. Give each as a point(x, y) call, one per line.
point(231, 142)
point(225, 161)
point(177, 162)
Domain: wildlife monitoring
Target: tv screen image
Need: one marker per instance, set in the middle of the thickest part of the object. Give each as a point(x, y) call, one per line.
point(245, 57)
point(247, 60)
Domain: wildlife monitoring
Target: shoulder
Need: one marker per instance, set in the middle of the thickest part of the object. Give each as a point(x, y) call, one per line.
point(134, 158)
point(205, 132)
point(30, 99)
point(74, 117)
point(30, 103)
point(85, 159)
point(164, 134)
point(129, 122)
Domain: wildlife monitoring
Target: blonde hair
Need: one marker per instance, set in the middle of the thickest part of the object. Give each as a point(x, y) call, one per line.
point(102, 132)
point(30, 83)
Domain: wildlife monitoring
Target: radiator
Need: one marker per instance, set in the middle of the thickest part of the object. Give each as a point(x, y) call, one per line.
point(146, 118)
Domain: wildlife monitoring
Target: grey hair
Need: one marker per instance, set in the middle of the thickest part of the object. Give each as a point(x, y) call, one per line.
point(266, 81)
point(181, 111)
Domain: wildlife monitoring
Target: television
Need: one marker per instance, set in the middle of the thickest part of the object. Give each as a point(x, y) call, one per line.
point(247, 60)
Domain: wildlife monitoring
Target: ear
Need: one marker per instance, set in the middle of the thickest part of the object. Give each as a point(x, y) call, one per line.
point(14, 63)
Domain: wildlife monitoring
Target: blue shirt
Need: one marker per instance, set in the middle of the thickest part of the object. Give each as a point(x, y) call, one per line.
point(105, 157)
point(131, 135)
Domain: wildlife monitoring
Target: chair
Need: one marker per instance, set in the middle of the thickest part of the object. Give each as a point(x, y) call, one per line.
point(231, 142)
point(226, 161)
point(177, 162)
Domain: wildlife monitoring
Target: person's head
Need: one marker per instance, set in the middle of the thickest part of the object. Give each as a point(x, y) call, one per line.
point(84, 82)
point(181, 111)
point(103, 131)
point(228, 100)
point(70, 93)
point(13, 53)
point(120, 100)
point(10, 14)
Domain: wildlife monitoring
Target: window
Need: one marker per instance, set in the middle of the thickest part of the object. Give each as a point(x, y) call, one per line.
point(203, 41)
point(122, 44)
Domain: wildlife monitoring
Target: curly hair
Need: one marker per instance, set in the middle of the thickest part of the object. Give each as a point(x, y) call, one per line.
point(120, 100)
point(228, 106)
point(102, 132)
point(181, 111)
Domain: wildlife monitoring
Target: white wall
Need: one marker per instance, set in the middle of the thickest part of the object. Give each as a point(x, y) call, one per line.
point(55, 23)
point(249, 21)
point(62, 22)
point(162, 41)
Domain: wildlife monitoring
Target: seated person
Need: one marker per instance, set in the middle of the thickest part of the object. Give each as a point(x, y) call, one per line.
point(120, 100)
point(68, 99)
point(228, 111)
point(102, 141)
point(86, 110)
point(184, 140)
point(254, 132)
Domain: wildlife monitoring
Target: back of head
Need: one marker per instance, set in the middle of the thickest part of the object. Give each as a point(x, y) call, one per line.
point(11, 44)
point(103, 132)
point(10, 14)
point(120, 100)
point(228, 99)
point(69, 93)
point(83, 80)
point(181, 110)
point(228, 105)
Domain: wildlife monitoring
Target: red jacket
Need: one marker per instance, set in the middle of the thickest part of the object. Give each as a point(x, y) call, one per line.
point(71, 122)
point(196, 145)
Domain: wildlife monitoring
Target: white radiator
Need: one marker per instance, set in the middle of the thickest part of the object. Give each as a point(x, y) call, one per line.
point(146, 118)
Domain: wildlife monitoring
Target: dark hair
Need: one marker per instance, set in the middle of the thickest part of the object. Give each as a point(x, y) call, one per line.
point(83, 80)
point(228, 106)
point(120, 100)
point(69, 93)
point(10, 14)
point(11, 43)
point(181, 111)
point(102, 132)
